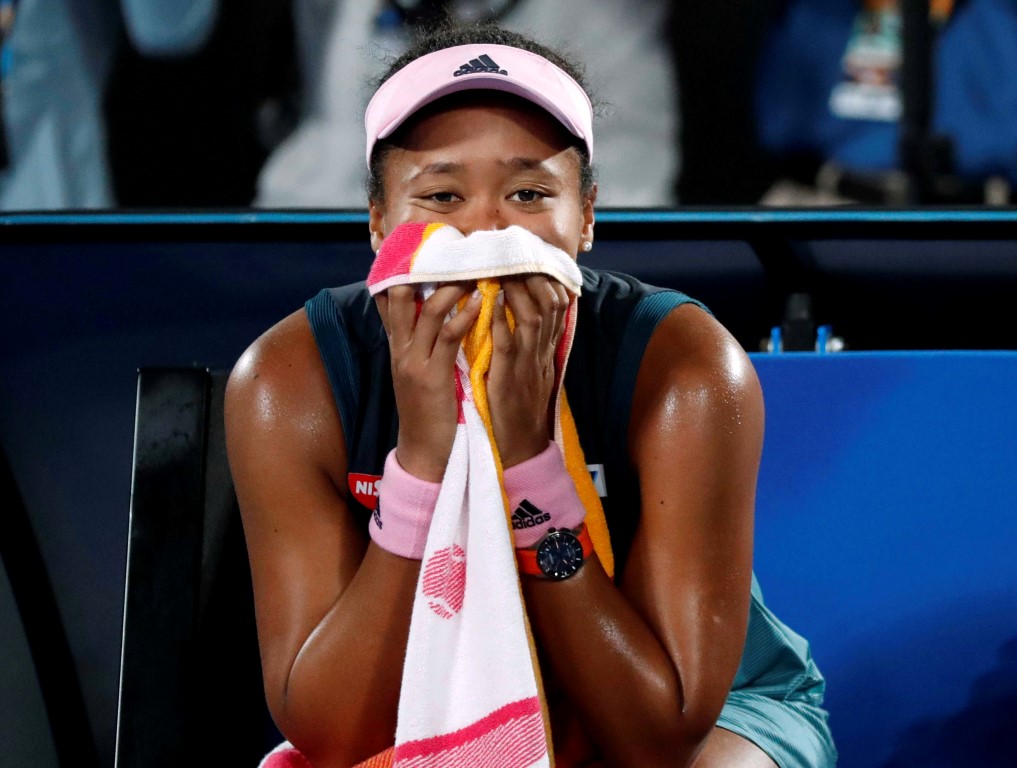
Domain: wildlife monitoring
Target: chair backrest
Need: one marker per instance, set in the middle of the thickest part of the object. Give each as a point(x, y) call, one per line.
point(190, 684)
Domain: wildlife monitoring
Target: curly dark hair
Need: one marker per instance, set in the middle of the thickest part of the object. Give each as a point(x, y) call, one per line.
point(449, 33)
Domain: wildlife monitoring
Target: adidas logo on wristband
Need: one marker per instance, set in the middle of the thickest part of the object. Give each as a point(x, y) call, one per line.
point(528, 516)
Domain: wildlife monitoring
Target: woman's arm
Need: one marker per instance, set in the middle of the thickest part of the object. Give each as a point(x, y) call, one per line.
point(647, 664)
point(332, 610)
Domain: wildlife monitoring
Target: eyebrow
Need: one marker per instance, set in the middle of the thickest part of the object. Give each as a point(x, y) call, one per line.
point(438, 169)
point(447, 168)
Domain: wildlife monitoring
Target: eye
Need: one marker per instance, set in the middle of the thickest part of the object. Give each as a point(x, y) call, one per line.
point(444, 198)
point(527, 196)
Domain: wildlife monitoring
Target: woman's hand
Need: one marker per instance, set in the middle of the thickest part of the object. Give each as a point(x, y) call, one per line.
point(522, 372)
point(423, 349)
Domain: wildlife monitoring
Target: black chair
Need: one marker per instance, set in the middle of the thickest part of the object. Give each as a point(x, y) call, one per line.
point(190, 678)
point(38, 625)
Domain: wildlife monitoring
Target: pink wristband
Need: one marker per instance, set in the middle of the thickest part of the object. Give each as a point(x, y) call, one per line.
point(405, 508)
point(545, 484)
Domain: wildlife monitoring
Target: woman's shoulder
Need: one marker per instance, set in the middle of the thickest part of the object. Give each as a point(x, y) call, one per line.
point(640, 313)
point(278, 360)
point(291, 358)
point(619, 316)
point(278, 392)
point(620, 301)
point(693, 364)
point(352, 303)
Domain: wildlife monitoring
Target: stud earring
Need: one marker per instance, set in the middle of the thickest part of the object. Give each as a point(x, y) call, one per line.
point(587, 246)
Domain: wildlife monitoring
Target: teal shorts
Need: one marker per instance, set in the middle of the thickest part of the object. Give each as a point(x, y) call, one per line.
point(794, 734)
point(776, 701)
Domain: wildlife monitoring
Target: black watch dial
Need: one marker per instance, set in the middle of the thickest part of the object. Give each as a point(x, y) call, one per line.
point(559, 554)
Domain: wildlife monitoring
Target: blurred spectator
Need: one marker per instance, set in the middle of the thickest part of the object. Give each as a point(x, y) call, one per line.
point(160, 103)
point(55, 64)
point(831, 105)
point(717, 46)
point(193, 129)
point(623, 43)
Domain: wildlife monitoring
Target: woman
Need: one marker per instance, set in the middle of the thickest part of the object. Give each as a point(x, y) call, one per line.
point(679, 438)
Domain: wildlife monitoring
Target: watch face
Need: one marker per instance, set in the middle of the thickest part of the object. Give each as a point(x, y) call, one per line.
point(559, 554)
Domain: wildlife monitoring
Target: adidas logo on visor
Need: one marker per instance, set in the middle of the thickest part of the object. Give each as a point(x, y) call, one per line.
point(483, 64)
point(527, 516)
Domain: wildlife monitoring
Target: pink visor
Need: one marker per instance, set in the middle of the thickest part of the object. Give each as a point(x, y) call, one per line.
point(468, 67)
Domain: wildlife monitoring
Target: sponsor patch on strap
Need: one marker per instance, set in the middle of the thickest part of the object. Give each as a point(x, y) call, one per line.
point(365, 488)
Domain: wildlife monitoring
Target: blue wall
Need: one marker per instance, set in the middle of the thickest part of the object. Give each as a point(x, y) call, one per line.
point(885, 533)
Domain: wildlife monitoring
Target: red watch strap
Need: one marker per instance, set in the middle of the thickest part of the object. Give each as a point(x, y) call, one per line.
point(527, 558)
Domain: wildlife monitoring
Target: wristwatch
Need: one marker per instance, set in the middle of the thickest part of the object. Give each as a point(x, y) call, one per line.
point(557, 556)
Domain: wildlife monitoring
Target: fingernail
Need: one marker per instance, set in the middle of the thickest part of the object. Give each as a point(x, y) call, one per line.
point(476, 294)
point(500, 298)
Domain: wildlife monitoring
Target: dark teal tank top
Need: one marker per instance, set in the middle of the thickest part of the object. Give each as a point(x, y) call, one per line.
point(776, 697)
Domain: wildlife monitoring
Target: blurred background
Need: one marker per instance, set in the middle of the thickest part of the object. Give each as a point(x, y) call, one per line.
point(177, 175)
point(233, 103)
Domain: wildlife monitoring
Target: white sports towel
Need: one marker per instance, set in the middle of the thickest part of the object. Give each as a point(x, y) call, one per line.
point(470, 692)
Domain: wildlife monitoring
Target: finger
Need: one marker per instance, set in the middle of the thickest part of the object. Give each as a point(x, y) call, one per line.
point(451, 335)
point(402, 313)
point(563, 311)
point(529, 321)
point(432, 317)
point(543, 293)
point(501, 335)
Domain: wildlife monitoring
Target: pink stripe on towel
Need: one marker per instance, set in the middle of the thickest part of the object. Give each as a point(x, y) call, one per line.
point(288, 757)
point(510, 737)
point(396, 253)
